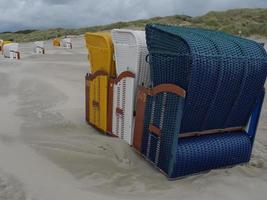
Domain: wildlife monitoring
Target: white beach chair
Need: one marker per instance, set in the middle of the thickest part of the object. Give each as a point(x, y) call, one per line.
point(11, 51)
point(66, 42)
point(1, 43)
point(132, 71)
point(39, 47)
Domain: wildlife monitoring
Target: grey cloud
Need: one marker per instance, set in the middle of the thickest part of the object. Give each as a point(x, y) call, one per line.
point(59, 2)
point(19, 14)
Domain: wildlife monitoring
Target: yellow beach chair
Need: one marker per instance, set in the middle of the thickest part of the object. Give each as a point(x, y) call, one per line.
point(56, 42)
point(100, 50)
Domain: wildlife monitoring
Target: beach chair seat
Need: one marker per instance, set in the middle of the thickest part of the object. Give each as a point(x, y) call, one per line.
point(213, 151)
point(158, 136)
point(214, 123)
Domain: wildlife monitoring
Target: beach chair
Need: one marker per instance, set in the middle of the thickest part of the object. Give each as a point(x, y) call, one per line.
point(132, 71)
point(56, 42)
point(66, 42)
point(39, 47)
point(11, 50)
point(204, 107)
point(100, 49)
point(1, 43)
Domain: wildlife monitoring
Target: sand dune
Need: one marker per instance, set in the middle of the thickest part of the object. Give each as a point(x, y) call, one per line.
point(48, 152)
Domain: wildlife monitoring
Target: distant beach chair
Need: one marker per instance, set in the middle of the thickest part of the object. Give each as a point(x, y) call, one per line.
point(11, 50)
point(39, 47)
point(132, 71)
point(1, 43)
point(56, 42)
point(204, 107)
point(66, 42)
point(100, 49)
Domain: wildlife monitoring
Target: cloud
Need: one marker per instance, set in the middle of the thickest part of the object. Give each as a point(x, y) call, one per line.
point(20, 14)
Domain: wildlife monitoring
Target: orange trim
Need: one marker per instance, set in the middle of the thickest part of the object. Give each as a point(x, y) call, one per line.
point(96, 74)
point(110, 106)
point(139, 119)
point(119, 111)
point(124, 75)
point(95, 104)
point(170, 88)
point(210, 132)
point(87, 98)
point(154, 129)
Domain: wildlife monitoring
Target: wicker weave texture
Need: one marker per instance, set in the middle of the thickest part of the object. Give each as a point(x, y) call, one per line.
point(181, 157)
point(210, 152)
point(130, 54)
point(163, 111)
point(222, 74)
point(123, 109)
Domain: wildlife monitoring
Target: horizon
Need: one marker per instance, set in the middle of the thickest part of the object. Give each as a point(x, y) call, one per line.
point(50, 14)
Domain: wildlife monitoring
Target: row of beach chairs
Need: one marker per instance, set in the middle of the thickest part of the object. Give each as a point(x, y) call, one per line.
point(11, 49)
point(112, 83)
point(188, 100)
point(65, 42)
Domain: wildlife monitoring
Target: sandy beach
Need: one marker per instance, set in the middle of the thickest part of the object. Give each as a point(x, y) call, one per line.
point(48, 152)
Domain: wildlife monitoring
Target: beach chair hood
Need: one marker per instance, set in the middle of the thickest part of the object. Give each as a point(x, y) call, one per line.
point(222, 74)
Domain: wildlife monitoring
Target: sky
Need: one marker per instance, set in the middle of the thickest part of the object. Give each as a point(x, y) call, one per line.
point(42, 14)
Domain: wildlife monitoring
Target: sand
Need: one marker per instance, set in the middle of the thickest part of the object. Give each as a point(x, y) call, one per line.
point(48, 152)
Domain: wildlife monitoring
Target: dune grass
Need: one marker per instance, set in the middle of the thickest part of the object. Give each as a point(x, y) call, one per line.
point(249, 22)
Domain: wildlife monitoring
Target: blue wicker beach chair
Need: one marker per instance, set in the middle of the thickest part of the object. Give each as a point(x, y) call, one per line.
point(203, 110)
